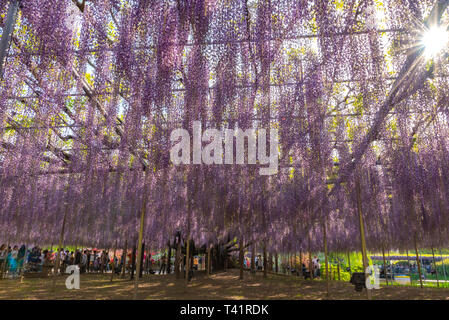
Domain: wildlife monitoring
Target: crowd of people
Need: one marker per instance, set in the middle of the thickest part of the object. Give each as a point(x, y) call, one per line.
point(15, 261)
point(303, 270)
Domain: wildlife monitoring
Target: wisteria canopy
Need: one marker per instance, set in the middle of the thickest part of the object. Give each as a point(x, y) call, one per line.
point(91, 91)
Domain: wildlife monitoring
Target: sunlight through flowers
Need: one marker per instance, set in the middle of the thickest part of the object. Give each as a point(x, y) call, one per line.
point(434, 41)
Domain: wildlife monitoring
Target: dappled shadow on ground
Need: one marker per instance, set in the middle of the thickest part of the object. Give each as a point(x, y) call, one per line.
point(218, 286)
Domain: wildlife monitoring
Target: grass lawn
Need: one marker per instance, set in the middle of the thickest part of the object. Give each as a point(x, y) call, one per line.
point(218, 286)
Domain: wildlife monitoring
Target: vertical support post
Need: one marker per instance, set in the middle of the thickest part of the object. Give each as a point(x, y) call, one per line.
point(139, 241)
point(310, 260)
point(338, 268)
point(362, 231)
point(58, 252)
point(435, 266)
point(325, 256)
point(385, 264)
point(418, 262)
point(442, 262)
point(409, 268)
point(139, 247)
point(294, 262)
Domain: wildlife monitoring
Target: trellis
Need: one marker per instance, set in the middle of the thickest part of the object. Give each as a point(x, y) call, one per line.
point(414, 81)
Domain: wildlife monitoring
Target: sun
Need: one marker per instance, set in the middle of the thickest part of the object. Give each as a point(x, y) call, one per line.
point(434, 41)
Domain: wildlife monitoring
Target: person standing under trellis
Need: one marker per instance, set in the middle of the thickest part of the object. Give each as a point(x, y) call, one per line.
point(84, 262)
point(163, 264)
point(12, 260)
point(3, 255)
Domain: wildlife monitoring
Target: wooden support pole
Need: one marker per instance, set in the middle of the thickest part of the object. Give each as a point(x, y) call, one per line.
point(294, 262)
point(435, 266)
point(418, 262)
point(139, 244)
point(338, 268)
point(133, 262)
point(310, 260)
point(270, 262)
point(211, 250)
point(326, 261)
point(385, 263)
point(58, 250)
point(362, 231)
point(409, 268)
point(442, 262)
